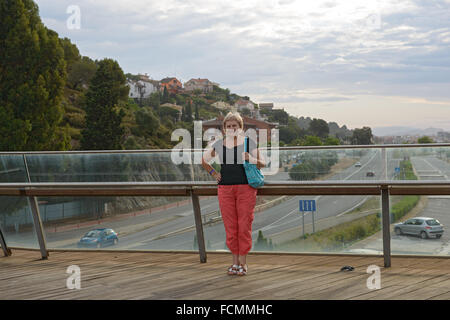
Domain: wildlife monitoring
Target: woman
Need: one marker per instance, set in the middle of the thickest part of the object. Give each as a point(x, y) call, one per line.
point(237, 198)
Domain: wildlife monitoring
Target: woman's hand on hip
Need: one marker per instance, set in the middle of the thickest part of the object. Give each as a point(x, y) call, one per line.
point(217, 176)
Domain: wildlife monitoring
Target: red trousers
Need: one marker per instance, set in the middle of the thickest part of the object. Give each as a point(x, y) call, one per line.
point(237, 205)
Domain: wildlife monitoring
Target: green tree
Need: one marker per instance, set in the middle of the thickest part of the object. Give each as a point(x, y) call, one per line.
point(279, 115)
point(197, 116)
point(168, 113)
point(332, 141)
point(32, 79)
point(81, 72)
point(287, 134)
point(107, 89)
point(188, 115)
point(312, 141)
point(147, 122)
point(155, 100)
point(362, 136)
point(245, 111)
point(425, 139)
point(165, 97)
point(71, 53)
point(319, 127)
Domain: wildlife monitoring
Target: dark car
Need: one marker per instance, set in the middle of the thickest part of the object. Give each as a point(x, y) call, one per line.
point(420, 226)
point(99, 238)
point(370, 174)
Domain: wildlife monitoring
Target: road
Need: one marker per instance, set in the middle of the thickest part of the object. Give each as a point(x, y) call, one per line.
point(427, 168)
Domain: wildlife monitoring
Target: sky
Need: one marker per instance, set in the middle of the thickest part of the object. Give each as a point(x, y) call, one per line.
point(358, 63)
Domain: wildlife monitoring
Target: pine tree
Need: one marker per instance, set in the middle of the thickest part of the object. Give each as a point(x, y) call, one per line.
point(188, 116)
point(107, 89)
point(32, 79)
point(197, 116)
point(165, 97)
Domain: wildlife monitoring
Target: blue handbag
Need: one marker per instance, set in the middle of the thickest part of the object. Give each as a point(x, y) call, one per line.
point(254, 175)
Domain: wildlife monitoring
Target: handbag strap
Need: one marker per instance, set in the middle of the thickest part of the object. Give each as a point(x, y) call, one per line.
point(246, 147)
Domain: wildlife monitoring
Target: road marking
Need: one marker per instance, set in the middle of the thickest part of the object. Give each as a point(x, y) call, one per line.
point(436, 169)
point(376, 152)
point(269, 226)
point(352, 208)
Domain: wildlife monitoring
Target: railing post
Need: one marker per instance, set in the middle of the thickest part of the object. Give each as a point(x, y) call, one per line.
point(386, 225)
point(5, 248)
point(38, 226)
point(199, 227)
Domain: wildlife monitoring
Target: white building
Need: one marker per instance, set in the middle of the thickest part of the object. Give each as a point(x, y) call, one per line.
point(222, 105)
point(141, 89)
point(242, 103)
point(201, 84)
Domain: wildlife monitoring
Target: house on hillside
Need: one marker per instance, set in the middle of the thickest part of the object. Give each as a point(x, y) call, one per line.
point(243, 103)
point(173, 85)
point(249, 123)
point(266, 106)
point(142, 88)
point(222, 105)
point(201, 84)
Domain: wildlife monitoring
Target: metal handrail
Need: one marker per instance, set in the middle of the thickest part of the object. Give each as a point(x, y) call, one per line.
point(213, 183)
point(345, 146)
point(184, 188)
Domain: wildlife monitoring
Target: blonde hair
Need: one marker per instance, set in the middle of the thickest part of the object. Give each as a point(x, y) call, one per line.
point(233, 116)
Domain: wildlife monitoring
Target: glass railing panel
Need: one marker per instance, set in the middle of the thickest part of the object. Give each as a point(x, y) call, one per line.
point(12, 168)
point(107, 167)
point(420, 163)
point(329, 164)
point(419, 225)
point(341, 224)
point(341, 164)
point(142, 223)
point(16, 222)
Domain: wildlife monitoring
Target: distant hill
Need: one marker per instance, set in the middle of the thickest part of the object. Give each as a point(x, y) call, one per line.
point(404, 131)
point(335, 130)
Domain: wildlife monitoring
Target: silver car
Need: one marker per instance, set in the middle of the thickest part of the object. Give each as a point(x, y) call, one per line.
point(420, 226)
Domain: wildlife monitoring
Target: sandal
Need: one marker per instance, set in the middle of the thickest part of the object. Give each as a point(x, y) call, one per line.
point(242, 270)
point(233, 269)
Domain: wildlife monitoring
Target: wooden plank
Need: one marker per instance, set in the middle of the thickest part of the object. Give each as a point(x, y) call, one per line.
point(114, 275)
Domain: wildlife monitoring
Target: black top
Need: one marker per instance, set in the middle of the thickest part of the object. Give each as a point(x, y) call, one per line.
point(231, 162)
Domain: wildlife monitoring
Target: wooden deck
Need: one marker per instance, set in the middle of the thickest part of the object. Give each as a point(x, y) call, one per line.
point(118, 275)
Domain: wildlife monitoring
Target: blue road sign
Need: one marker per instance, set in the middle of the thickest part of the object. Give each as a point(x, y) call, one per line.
point(307, 205)
point(397, 169)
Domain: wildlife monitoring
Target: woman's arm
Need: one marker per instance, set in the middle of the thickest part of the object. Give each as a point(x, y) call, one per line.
point(207, 156)
point(258, 160)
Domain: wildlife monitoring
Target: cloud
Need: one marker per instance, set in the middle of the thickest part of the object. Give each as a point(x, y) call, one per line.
point(274, 49)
